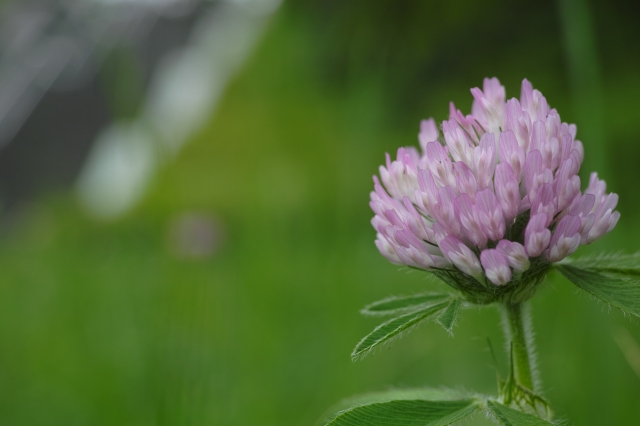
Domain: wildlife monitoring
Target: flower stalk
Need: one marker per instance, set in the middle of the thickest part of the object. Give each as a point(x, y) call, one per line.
point(520, 341)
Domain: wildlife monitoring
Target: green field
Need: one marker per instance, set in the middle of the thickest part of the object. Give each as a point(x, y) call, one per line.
point(105, 324)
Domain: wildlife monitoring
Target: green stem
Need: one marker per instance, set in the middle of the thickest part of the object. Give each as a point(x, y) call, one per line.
point(520, 339)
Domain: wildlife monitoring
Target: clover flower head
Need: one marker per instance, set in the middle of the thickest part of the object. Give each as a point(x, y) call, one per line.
point(492, 195)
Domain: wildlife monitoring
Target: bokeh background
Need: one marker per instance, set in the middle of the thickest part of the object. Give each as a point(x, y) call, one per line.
point(185, 237)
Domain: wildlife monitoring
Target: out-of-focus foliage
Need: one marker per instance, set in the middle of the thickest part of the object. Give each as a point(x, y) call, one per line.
point(137, 322)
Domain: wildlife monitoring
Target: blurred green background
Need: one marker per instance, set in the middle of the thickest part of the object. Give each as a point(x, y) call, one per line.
point(111, 323)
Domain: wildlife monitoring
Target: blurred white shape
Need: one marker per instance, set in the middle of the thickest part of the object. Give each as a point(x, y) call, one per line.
point(189, 82)
point(180, 97)
point(183, 92)
point(117, 170)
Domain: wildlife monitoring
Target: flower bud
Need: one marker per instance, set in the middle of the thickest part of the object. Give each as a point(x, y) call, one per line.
point(490, 214)
point(507, 191)
point(536, 235)
point(515, 254)
point(484, 157)
point(428, 133)
point(565, 239)
point(511, 153)
point(495, 266)
point(461, 256)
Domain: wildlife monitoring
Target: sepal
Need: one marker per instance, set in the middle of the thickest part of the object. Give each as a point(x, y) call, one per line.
point(483, 292)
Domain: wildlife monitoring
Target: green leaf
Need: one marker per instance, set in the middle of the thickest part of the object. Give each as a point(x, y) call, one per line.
point(448, 317)
point(410, 407)
point(394, 328)
point(615, 288)
point(396, 305)
point(430, 394)
point(617, 263)
point(510, 417)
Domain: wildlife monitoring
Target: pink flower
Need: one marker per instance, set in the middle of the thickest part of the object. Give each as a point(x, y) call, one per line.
point(461, 256)
point(565, 239)
point(507, 191)
point(496, 266)
point(536, 235)
point(515, 253)
point(499, 191)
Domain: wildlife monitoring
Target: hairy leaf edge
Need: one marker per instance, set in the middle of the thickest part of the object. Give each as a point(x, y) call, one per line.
point(369, 309)
point(399, 331)
point(472, 407)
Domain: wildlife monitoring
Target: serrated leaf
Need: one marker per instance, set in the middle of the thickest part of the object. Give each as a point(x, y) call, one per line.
point(410, 407)
point(430, 394)
point(448, 317)
point(394, 328)
point(510, 417)
point(616, 289)
point(616, 263)
point(396, 305)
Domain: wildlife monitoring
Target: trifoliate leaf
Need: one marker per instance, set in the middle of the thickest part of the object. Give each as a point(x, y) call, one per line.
point(396, 305)
point(509, 417)
point(448, 317)
point(410, 407)
point(618, 289)
point(394, 328)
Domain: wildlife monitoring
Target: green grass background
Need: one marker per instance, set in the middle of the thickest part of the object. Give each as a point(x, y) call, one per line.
point(101, 324)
